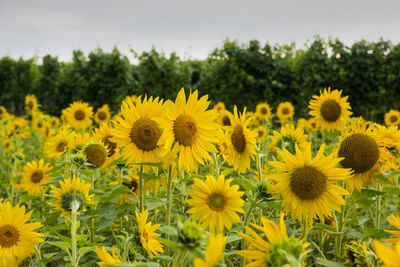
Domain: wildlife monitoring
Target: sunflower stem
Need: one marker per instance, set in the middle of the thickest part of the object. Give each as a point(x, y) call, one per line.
point(141, 182)
point(74, 210)
point(378, 208)
point(169, 197)
point(339, 237)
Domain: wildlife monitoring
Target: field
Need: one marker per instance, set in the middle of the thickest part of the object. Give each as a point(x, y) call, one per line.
point(188, 182)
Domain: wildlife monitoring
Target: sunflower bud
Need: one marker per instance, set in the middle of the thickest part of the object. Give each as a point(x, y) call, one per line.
point(358, 254)
point(190, 234)
point(286, 252)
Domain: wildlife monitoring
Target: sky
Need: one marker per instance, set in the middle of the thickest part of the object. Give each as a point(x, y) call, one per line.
point(192, 29)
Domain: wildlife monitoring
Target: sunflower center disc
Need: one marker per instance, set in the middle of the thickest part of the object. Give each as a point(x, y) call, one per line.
point(393, 119)
point(185, 130)
point(264, 111)
point(61, 146)
point(226, 121)
point(102, 115)
point(37, 176)
point(30, 105)
point(216, 202)
point(132, 185)
point(96, 154)
point(285, 111)
point(145, 134)
point(110, 145)
point(360, 153)
point(330, 110)
point(307, 183)
point(9, 236)
point(238, 140)
point(260, 133)
point(79, 115)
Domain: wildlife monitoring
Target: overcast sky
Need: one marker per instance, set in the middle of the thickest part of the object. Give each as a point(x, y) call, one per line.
point(190, 28)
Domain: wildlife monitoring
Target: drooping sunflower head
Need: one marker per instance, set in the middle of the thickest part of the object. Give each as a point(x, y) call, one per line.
point(70, 191)
point(58, 144)
point(307, 184)
point(392, 118)
point(17, 237)
point(361, 150)
point(96, 153)
point(287, 138)
point(189, 125)
point(219, 107)
point(330, 109)
point(31, 103)
point(285, 111)
point(137, 131)
point(79, 115)
point(241, 142)
point(102, 115)
point(264, 110)
point(215, 202)
point(35, 175)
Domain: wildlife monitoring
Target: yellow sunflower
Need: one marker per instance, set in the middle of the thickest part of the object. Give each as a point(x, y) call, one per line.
point(330, 109)
point(133, 99)
point(277, 250)
point(214, 252)
point(137, 132)
point(3, 112)
point(79, 115)
point(215, 202)
point(31, 103)
point(58, 144)
point(148, 235)
point(102, 115)
point(287, 138)
point(17, 237)
point(392, 118)
point(308, 185)
point(96, 154)
point(361, 149)
point(256, 119)
point(81, 139)
point(394, 221)
point(301, 123)
point(104, 134)
point(107, 258)
point(224, 118)
point(55, 121)
point(35, 175)
point(313, 125)
point(285, 111)
point(189, 125)
point(261, 132)
point(219, 107)
point(241, 142)
point(390, 255)
point(264, 110)
point(71, 189)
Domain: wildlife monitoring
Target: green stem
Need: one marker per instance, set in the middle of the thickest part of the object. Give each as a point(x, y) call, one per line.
point(141, 181)
point(75, 207)
point(378, 208)
point(169, 196)
point(339, 237)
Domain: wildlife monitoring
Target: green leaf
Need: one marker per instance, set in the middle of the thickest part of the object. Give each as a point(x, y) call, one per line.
point(328, 263)
point(153, 203)
point(62, 245)
point(374, 232)
point(84, 250)
point(148, 177)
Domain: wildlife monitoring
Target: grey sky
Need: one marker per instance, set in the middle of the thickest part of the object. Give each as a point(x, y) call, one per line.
point(191, 28)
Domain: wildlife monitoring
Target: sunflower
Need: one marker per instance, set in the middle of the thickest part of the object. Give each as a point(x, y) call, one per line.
point(104, 134)
point(3, 112)
point(191, 127)
point(133, 99)
point(214, 252)
point(224, 118)
point(79, 115)
point(261, 132)
point(17, 238)
point(58, 144)
point(287, 138)
point(285, 111)
point(148, 235)
point(81, 139)
point(301, 123)
point(137, 132)
point(308, 185)
point(102, 115)
point(31, 103)
point(361, 149)
point(35, 175)
point(277, 250)
point(96, 153)
point(219, 107)
point(54, 121)
point(330, 109)
point(216, 202)
point(390, 255)
point(256, 119)
point(71, 189)
point(394, 221)
point(392, 118)
point(241, 142)
point(313, 125)
point(107, 258)
point(264, 110)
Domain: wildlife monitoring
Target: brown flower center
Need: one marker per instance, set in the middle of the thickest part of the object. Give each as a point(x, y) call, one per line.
point(79, 115)
point(37, 176)
point(238, 139)
point(96, 154)
point(216, 202)
point(330, 110)
point(145, 134)
point(110, 145)
point(102, 115)
point(285, 111)
point(30, 105)
point(226, 121)
point(264, 111)
point(393, 119)
point(307, 183)
point(185, 130)
point(61, 147)
point(9, 236)
point(360, 152)
point(132, 185)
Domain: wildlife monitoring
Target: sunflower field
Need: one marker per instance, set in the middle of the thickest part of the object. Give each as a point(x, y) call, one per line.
point(190, 183)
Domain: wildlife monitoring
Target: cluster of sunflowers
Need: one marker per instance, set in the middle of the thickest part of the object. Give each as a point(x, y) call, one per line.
point(178, 183)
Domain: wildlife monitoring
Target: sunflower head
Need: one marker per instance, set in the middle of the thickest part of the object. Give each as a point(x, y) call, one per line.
point(102, 115)
point(358, 254)
point(392, 118)
point(219, 107)
point(264, 110)
point(34, 176)
point(190, 234)
point(31, 103)
point(285, 111)
point(224, 119)
point(96, 153)
point(79, 115)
